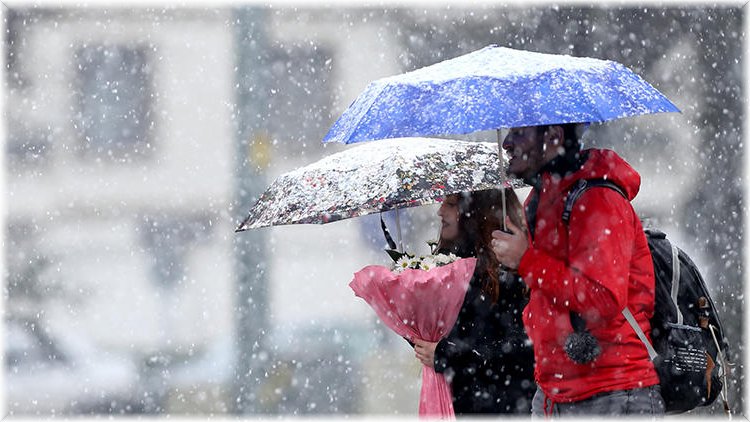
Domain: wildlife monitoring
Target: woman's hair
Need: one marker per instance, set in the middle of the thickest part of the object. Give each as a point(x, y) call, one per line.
point(480, 213)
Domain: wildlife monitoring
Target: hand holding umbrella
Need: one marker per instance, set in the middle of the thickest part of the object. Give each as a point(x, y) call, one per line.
point(509, 247)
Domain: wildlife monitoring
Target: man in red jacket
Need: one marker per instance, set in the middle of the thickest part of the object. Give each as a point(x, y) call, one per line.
point(594, 266)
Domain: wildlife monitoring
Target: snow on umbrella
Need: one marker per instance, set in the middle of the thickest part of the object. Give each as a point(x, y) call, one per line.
point(377, 176)
point(493, 88)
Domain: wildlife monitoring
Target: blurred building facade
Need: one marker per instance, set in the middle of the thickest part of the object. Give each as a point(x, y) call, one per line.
point(119, 178)
point(138, 138)
point(123, 137)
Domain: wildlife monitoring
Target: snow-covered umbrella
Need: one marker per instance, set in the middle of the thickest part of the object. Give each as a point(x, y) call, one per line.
point(375, 177)
point(493, 88)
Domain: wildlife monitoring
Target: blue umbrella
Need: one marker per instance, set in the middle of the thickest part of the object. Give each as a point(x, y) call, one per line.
point(496, 87)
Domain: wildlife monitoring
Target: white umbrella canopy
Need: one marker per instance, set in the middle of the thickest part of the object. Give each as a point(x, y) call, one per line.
point(378, 176)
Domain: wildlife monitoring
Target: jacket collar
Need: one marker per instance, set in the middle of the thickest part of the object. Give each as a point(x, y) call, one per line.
point(559, 168)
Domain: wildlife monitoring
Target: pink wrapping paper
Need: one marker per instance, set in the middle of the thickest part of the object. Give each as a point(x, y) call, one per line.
point(419, 304)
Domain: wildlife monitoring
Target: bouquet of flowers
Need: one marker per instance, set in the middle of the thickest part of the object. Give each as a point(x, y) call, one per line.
point(419, 298)
point(422, 262)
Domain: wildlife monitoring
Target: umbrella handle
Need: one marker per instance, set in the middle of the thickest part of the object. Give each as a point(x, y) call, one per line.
point(505, 211)
point(502, 191)
point(398, 231)
point(386, 233)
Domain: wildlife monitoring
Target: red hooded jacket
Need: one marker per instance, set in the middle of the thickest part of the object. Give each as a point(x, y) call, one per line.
point(596, 265)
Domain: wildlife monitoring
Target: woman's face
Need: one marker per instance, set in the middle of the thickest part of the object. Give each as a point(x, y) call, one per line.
point(448, 213)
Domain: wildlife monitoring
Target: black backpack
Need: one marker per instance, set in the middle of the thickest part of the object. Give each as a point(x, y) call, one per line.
point(689, 348)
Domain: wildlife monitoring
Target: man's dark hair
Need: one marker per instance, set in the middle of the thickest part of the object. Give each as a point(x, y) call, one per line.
point(573, 157)
point(570, 133)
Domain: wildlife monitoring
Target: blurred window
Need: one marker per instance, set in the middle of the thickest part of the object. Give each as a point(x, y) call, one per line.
point(114, 117)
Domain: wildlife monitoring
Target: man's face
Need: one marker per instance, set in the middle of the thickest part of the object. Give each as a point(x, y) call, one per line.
point(525, 146)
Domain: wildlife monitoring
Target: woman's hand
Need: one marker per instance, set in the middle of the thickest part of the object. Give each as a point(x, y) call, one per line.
point(425, 352)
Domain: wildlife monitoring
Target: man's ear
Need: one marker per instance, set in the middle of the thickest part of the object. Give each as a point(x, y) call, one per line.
point(554, 140)
point(554, 135)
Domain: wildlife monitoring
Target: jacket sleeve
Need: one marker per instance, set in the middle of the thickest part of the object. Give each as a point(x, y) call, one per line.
point(600, 245)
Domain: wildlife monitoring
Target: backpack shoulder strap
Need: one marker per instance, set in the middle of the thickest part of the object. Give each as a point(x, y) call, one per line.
point(641, 335)
point(582, 186)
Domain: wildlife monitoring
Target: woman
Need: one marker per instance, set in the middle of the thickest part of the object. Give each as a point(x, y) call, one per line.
point(486, 357)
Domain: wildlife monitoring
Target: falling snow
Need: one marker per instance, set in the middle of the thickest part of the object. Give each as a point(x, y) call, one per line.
point(138, 139)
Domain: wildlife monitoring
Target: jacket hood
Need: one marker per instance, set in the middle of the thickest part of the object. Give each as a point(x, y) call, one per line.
point(606, 164)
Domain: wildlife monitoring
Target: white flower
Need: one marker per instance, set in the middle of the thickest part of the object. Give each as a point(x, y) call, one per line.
point(402, 264)
point(428, 263)
point(424, 262)
point(442, 259)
